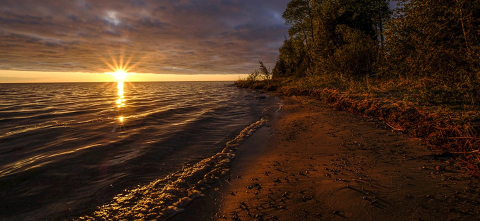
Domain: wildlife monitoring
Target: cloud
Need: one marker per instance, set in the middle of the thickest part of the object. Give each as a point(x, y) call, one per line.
point(171, 36)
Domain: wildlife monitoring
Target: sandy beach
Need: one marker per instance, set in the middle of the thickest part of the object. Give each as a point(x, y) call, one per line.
point(315, 163)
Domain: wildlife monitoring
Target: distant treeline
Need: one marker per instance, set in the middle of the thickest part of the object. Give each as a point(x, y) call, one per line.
point(436, 42)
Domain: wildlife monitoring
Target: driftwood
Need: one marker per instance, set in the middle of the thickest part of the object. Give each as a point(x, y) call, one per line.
point(393, 128)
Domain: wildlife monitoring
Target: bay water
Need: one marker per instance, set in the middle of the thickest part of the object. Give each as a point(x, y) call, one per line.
point(118, 150)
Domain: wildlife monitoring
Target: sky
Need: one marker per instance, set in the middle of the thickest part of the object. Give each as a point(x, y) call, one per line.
point(70, 40)
point(168, 40)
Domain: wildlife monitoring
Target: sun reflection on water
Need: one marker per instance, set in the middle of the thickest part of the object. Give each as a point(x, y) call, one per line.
point(121, 101)
point(121, 98)
point(121, 71)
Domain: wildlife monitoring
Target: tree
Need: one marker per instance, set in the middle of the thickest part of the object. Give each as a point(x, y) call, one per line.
point(254, 76)
point(299, 16)
point(327, 36)
point(264, 71)
point(435, 39)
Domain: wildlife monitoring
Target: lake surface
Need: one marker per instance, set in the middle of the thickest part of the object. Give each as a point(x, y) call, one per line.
point(98, 150)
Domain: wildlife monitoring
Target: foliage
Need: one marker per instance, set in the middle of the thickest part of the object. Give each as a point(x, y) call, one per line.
point(435, 38)
point(265, 72)
point(434, 44)
point(254, 76)
point(332, 37)
point(439, 40)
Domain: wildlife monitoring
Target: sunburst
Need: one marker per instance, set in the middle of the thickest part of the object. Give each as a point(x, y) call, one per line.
point(120, 68)
point(120, 75)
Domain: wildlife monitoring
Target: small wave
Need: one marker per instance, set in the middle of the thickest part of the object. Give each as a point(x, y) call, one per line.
point(32, 162)
point(164, 198)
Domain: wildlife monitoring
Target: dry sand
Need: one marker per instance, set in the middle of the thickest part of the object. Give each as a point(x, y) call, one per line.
point(315, 163)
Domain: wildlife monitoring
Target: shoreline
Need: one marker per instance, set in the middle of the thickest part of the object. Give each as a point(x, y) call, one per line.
point(322, 164)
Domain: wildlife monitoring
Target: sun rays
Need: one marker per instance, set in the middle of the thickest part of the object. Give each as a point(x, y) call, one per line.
point(120, 72)
point(120, 67)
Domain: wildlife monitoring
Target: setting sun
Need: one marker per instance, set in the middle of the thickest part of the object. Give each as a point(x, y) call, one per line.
point(120, 75)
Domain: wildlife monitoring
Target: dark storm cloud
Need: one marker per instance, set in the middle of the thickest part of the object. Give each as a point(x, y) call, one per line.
point(170, 36)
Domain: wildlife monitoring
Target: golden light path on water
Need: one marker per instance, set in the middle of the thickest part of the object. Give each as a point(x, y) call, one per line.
point(121, 100)
point(120, 77)
point(120, 72)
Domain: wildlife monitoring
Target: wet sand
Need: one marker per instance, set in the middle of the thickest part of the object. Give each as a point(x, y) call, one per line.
point(315, 163)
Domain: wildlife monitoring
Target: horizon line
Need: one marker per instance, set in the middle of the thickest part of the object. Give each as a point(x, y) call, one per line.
point(70, 82)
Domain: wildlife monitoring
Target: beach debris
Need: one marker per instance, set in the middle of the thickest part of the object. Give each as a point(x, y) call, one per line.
point(305, 199)
point(255, 185)
point(439, 168)
point(235, 217)
point(259, 216)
